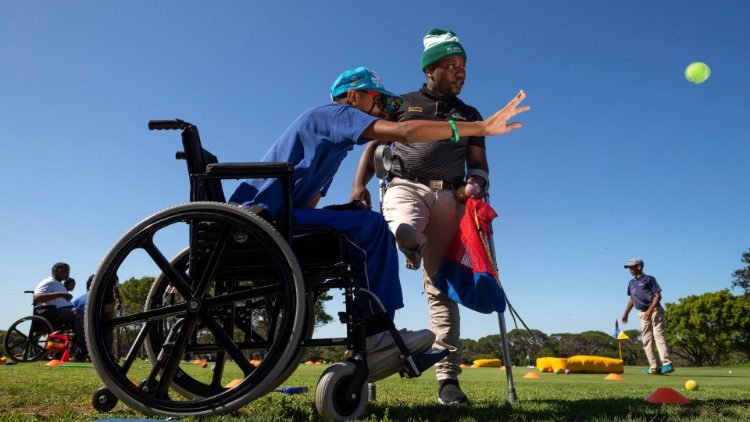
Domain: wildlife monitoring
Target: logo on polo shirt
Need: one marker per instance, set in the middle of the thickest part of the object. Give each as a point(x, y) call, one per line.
point(457, 116)
point(414, 109)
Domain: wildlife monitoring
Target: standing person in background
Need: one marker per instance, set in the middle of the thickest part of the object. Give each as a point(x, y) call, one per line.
point(420, 204)
point(644, 294)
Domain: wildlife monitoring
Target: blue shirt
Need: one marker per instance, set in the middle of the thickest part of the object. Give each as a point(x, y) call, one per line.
point(642, 290)
point(315, 143)
point(80, 301)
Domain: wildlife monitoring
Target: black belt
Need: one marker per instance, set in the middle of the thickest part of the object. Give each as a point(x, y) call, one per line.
point(433, 184)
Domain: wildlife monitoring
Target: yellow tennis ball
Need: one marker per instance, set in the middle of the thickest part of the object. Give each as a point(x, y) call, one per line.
point(691, 385)
point(697, 72)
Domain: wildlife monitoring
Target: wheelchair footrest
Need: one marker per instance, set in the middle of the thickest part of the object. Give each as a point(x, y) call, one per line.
point(425, 360)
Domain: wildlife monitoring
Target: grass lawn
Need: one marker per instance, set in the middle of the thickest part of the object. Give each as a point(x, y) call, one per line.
point(34, 392)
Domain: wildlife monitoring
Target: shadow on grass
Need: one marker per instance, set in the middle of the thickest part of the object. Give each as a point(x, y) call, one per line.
point(567, 410)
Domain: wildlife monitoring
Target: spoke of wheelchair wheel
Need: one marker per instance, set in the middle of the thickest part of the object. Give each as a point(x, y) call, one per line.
point(273, 318)
point(136, 347)
point(222, 337)
point(152, 314)
point(213, 260)
point(218, 372)
point(172, 364)
point(176, 278)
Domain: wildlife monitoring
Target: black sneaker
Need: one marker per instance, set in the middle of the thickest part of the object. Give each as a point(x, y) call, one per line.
point(449, 393)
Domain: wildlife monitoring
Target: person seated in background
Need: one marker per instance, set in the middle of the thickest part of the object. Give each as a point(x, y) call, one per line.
point(52, 292)
point(112, 302)
point(70, 284)
point(79, 303)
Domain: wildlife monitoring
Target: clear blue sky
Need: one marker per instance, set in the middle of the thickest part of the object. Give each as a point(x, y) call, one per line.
point(619, 157)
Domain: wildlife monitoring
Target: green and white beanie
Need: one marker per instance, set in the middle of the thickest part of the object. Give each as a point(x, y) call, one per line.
point(439, 43)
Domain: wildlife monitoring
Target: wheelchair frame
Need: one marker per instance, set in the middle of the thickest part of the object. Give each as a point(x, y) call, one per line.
point(32, 339)
point(242, 285)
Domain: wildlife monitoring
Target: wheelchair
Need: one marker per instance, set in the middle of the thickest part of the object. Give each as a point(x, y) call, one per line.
point(37, 336)
point(241, 289)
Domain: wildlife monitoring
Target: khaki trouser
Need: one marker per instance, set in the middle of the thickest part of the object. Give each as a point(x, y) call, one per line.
point(652, 332)
point(424, 221)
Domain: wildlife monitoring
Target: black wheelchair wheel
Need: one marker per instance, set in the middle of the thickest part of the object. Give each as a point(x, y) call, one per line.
point(25, 339)
point(162, 294)
point(331, 400)
point(236, 293)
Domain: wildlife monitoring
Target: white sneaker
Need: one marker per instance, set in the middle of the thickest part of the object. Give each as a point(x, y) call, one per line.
point(383, 353)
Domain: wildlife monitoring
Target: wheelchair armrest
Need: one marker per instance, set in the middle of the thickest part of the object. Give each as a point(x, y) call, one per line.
point(248, 170)
point(40, 309)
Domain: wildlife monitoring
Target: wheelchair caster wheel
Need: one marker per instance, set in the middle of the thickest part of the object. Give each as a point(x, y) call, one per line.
point(103, 400)
point(330, 395)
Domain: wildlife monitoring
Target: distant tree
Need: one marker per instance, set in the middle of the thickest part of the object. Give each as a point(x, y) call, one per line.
point(706, 329)
point(321, 317)
point(594, 343)
point(742, 276)
point(525, 345)
point(468, 350)
point(490, 347)
point(134, 292)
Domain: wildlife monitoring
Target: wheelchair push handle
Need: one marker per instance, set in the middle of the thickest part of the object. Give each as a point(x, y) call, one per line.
point(175, 124)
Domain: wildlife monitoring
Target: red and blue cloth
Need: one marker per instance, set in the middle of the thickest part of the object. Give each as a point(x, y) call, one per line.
point(468, 275)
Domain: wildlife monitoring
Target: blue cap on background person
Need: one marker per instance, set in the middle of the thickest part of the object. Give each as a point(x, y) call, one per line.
point(440, 43)
point(359, 79)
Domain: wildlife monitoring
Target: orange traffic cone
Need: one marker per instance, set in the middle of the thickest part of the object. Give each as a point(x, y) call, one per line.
point(665, 395)
point(53, 362)
point(613, 377)
point(532, 376)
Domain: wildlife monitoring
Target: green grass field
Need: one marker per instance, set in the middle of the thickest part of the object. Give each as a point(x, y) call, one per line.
point(35, 392)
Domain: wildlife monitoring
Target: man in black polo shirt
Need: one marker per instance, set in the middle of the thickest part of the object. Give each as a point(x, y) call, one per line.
point(420, 204)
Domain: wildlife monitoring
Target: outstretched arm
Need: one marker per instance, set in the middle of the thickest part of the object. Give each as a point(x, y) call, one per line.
point(428, 131)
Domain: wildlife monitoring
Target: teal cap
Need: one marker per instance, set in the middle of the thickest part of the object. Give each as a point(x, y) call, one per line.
point(360, 79)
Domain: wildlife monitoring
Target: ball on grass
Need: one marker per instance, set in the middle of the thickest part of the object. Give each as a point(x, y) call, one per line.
point(567, 371)
point(697, 72)
point(691, 385)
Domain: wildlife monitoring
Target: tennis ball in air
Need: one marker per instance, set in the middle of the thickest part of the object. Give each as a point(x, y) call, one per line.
point(697, 72)
point(691, 385)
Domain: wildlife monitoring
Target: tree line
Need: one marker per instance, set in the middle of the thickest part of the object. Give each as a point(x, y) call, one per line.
point(712, 329)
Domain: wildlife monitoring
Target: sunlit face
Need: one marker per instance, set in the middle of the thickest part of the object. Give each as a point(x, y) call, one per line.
point(370, 103)
point(447, 76)
point(635, 270)
point(62, 273)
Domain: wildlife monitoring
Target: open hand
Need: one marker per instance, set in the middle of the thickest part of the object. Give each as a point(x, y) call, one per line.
point(497, 124)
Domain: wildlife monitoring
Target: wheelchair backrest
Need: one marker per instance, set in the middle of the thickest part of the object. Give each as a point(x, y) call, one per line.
point(198, 159)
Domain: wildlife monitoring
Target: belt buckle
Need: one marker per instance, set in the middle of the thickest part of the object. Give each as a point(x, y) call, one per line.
point(436, 184)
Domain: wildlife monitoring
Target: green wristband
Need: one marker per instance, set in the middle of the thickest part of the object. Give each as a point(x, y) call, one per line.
point(455, 137)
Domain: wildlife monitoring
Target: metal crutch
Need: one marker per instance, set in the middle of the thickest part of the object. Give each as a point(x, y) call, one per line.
point(489, 243)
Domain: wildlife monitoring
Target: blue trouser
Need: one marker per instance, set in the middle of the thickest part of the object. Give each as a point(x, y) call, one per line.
point(373, 257)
